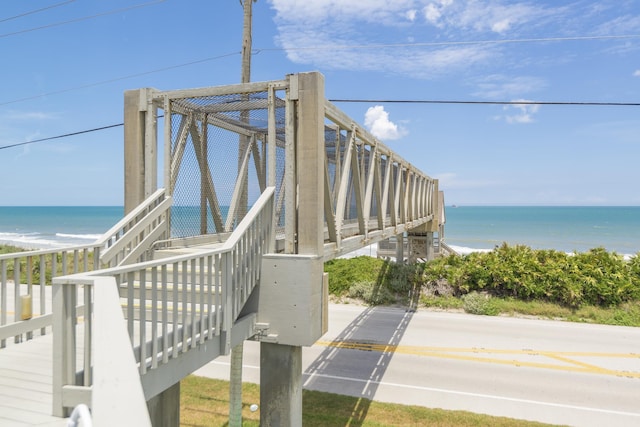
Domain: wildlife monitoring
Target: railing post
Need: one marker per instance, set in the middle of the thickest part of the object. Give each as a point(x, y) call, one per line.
point(64, 343)
point(227, 301)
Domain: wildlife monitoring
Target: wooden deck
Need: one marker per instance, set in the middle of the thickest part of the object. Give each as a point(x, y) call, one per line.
point(26, 384)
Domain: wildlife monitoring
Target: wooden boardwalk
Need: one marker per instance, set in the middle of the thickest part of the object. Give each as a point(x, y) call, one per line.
point(26, 384)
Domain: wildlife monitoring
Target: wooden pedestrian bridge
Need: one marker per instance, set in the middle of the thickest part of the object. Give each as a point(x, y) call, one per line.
point(261, 183)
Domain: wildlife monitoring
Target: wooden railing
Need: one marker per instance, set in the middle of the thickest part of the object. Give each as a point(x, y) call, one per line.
point(23, 307)
point(181, 312)
point(129, 240)
point(371, 193)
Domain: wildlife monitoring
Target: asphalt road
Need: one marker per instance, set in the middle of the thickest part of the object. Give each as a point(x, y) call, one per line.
point(553, 372)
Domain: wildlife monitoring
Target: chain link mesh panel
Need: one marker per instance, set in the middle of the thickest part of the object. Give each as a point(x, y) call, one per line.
point(219, 159)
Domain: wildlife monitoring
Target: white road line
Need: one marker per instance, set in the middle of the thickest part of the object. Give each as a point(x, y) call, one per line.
point(459, 393)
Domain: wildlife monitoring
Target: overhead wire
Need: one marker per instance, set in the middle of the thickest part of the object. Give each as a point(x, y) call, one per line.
point(373, 101)
point(130, 76)
point(66, 135)
point(83, 18)
point(453, 43)
point(32, 12)
point(522, 102)
point(259, 50)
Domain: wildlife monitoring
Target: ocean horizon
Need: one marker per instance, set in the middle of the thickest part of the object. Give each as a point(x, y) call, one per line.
point(563, 228)
point(467, 228)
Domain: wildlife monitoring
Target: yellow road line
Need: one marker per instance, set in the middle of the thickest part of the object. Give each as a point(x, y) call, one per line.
point(464, 354)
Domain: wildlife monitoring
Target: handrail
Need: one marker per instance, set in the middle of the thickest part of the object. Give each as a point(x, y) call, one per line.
point(133, 235)
point(175, 307)
point(80, 416)
point(33, 270)
point(125, 242)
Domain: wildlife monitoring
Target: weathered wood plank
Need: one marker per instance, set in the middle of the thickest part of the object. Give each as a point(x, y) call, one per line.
point(26, 384)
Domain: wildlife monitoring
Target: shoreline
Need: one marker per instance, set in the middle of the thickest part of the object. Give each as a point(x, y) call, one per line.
point(370, 250)
point(460, 250)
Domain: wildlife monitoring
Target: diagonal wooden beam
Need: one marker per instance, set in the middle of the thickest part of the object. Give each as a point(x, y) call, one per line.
point(210, 191)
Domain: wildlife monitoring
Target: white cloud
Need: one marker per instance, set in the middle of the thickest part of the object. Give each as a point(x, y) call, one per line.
point(636, 73)
point(524, 112)
point(318, 11)
point(487, 16)
point(334, 25)
point(501, 26)
point(329, 30)
point(499, 86)
point(432, 14)
point(378, 123)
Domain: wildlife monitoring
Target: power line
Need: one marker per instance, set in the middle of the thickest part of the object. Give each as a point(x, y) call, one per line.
point(130, 76)
point(428, 101)
point(31, 12)
point(257, 51)
point(374, 101)
point(84, 18)
point(61, 136)
point(454, 43)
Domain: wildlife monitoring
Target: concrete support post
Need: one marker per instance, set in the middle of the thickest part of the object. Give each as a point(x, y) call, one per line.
point(281, 365)
point(430, 247)
point(400, 248)
point(163, 410)
point(280, 385)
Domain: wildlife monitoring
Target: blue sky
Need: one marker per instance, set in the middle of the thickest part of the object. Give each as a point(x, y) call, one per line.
point(65, 69)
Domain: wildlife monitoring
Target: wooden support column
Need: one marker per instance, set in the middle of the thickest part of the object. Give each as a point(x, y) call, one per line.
point(281, 365)
point(140, 151)
point(310, 154)
point(134, 119)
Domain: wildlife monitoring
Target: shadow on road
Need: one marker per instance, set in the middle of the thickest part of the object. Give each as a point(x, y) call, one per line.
point(359, 357)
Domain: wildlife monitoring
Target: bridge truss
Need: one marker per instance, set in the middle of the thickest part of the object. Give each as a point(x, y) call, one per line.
point(224, 145)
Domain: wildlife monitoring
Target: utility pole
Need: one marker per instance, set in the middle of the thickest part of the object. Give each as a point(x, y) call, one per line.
point(235, 383)
point(246, 41)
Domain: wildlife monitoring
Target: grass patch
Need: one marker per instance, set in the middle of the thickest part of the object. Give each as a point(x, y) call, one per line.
point(627, 314)
point(545, 310)
point(205, 402)
point(32, 266)
point(8, 249)
point(441, 302)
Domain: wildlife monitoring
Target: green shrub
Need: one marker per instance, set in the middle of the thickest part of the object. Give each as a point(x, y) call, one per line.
point(344, 272)
point(596, 277)
point(479, 303)
point(371, 293)
point(375, 281)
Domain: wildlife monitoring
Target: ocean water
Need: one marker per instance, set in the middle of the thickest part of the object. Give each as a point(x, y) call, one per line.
point(564, 228)
point(467, 228)
point(46, 227)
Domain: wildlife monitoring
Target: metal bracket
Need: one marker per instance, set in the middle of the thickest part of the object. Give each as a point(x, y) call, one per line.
point(262, 334)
